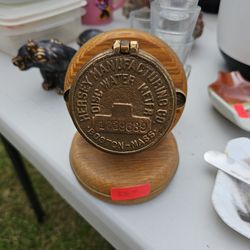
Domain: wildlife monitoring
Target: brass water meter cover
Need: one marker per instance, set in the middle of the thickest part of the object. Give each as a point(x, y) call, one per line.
point(124, 99)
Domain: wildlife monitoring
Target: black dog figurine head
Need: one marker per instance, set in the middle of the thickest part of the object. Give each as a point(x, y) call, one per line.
point(50, 56)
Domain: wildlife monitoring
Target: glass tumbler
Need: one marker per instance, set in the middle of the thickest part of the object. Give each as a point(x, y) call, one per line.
point(140, 19)
point(182, 49)
point(173, 24)
point(185, 4)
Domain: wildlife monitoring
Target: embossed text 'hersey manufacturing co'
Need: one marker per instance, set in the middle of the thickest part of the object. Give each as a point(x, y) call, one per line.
point(123, 100)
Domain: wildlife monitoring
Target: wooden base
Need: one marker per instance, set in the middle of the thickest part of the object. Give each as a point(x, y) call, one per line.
point(99, 172)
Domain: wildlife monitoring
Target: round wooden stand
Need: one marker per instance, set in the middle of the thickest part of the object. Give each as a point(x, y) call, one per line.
point(124, 179)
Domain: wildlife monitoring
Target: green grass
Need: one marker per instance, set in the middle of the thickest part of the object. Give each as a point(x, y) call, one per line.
point(63, 227)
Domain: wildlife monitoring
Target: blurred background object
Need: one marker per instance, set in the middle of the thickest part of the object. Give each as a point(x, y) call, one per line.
point(183, 4)
point(176, 22)
point(38, 20)
point(234, 36)
point(173, 24)
point(16, 1)
point(140, 19)
point(230, 95)
point(131, 5)
point(86, 35)
point(210, 6)
point(232, 87)
point(101, 11)
point(199, 26)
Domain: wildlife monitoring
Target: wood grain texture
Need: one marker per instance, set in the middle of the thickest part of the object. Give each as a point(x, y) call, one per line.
point(147, 42)
point(98, 171)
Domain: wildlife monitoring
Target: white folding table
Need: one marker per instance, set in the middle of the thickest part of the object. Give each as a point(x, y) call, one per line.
point(37, 123)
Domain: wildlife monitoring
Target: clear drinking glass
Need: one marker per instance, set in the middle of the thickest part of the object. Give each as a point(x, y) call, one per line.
point(185, 4)
point(173, 24)
point(140, 19)
point(187, 68)
point(182, 49)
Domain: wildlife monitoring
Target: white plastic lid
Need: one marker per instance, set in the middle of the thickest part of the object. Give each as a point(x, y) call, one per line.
point(12, 15)
point(44, 24)
point(16, 1)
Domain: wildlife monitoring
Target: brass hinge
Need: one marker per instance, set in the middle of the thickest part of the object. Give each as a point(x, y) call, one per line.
point(125, 47)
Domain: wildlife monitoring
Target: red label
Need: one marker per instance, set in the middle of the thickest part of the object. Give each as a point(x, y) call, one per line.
point(241, 111)
point(130, 193)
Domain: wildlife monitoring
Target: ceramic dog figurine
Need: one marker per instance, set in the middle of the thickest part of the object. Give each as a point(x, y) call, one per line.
point(50, 56)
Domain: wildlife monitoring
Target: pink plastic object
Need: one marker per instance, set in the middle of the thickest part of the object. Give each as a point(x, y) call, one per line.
point(101, 11)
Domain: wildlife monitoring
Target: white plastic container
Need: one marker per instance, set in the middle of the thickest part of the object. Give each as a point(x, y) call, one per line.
point(53, 19)
point(15, 1)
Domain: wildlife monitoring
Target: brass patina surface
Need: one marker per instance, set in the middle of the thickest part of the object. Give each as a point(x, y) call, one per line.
point(123, 101)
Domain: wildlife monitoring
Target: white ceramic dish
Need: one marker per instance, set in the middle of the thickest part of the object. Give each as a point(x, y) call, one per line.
point(230, 197)
point(228, 111)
